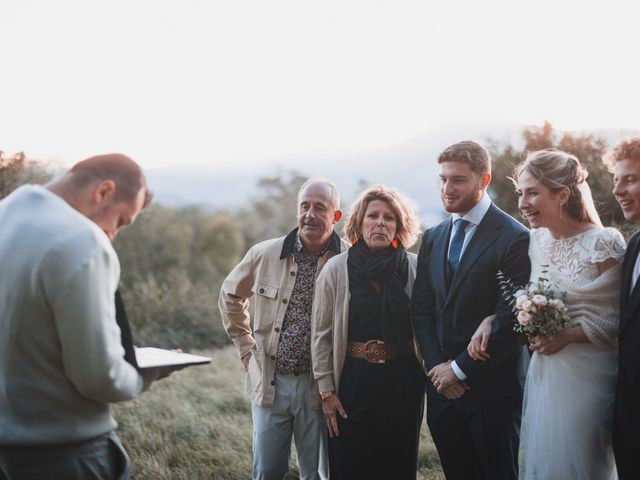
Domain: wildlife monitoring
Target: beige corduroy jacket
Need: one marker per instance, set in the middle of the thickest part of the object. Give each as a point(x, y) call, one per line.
point(267, 275)
point(330, 320)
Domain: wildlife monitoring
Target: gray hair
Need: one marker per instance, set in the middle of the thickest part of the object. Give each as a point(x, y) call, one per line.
point(333, 190)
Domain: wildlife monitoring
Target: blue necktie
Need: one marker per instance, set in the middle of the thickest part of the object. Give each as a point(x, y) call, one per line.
point(457, 241)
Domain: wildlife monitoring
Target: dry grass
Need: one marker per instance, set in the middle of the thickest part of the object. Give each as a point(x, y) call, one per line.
point(197, 425)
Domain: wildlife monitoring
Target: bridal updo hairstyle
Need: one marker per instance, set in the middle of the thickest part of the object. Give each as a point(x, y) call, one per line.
point(408, 225)
point(557, 169)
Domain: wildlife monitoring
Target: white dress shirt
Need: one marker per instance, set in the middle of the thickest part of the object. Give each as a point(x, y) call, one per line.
point(474, 217)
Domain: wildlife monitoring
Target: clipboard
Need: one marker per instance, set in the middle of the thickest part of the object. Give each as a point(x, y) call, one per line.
point(151, 357)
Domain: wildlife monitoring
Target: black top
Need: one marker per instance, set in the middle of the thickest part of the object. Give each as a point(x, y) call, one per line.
point(365, 311)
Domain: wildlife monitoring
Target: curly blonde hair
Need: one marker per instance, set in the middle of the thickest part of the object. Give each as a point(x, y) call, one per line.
point(626, 149)
point(405, 210)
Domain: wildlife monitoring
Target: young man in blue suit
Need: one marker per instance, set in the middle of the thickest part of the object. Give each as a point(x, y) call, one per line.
point(473, 407)
point(625, 160)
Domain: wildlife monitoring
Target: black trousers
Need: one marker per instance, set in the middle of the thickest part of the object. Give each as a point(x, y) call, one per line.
point(384, 404)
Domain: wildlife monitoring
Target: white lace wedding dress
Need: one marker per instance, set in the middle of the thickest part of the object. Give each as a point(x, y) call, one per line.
point(568, 403)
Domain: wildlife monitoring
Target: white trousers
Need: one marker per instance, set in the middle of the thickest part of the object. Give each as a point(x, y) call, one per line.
point(274, 426)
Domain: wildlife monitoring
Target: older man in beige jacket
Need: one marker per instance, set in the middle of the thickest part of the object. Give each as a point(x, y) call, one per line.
point(276, 353)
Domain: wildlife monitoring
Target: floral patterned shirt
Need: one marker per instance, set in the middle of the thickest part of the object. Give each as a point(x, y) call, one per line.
point(294, 348)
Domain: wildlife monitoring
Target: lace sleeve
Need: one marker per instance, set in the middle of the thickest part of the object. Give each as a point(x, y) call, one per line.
point(607, 243)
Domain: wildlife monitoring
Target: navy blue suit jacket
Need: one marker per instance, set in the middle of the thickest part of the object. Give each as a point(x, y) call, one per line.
point(446, 317)
point(627, 420)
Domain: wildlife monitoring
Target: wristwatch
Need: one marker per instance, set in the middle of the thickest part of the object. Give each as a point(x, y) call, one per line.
point(326, 395)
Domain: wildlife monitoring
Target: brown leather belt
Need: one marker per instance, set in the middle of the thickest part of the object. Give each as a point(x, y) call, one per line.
point(373, 351)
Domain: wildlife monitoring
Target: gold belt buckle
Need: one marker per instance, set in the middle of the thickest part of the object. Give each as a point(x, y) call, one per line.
point(369, 352)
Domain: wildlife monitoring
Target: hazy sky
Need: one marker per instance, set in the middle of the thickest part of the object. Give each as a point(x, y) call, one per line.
point(228, 83)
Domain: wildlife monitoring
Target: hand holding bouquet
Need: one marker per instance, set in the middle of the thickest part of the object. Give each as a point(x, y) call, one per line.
point(539, 309)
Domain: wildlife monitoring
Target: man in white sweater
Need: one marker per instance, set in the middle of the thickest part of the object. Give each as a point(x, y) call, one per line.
point(61, 358)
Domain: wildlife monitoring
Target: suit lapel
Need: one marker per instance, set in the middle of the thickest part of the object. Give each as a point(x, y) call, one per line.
point(485, 235)
point(627, 271)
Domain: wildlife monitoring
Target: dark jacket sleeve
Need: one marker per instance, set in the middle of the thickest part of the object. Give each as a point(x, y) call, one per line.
point(516, 266)
point(423, 306)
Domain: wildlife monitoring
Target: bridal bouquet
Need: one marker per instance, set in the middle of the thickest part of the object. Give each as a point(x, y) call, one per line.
point(539, 309)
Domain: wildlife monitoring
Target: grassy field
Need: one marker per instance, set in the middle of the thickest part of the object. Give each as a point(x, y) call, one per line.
point(197, 425)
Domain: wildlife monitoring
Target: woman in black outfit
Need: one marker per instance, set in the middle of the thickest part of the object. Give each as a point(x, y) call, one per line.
point(363, 350)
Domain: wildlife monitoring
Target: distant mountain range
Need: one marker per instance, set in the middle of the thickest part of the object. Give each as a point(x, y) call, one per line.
point(409, 166)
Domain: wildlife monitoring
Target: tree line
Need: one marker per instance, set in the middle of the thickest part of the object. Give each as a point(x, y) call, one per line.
point(175, 259)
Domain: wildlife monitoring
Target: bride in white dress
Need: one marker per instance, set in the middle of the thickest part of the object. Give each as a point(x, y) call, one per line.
point(570, 386)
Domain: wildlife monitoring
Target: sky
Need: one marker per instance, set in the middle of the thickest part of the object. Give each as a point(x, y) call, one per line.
point(231, 84)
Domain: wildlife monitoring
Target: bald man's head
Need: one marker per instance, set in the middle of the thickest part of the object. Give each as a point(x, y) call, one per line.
point(125, 173)
point(108, 189)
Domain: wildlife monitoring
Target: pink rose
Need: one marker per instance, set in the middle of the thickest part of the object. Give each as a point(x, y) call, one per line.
point(524, 318)
point(539, 300)
point(526, 305)
point(520, 300)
